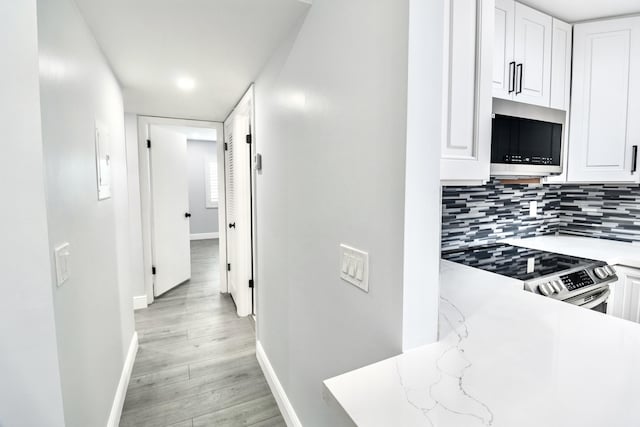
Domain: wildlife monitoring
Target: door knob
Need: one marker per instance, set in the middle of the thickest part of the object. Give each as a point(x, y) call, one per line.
point(232, 225)
point(187, 215)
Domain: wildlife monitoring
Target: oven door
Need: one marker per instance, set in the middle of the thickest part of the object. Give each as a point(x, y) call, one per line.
point(594, 300)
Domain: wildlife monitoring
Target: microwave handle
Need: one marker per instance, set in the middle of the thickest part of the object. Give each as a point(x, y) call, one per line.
point(634, 159)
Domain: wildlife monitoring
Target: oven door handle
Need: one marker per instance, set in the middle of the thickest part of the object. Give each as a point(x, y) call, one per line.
point(596, 302)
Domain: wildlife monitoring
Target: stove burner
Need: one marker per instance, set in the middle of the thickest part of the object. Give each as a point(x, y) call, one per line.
point(516, 262)
point(579, 281)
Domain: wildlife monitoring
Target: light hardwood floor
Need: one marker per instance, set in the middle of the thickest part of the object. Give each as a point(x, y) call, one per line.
point(196, 365)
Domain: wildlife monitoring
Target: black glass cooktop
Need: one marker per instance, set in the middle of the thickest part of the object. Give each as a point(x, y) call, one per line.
point(512, 261)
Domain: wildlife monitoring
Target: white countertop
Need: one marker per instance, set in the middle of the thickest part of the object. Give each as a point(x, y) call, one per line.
point(609, 251)
point(506, 358)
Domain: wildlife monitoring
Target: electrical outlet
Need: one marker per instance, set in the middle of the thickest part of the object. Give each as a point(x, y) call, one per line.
point(531, 264)
point(354, 267)
point(533, 208)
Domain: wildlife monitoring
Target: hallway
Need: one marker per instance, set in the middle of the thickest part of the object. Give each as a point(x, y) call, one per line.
point(196, 363)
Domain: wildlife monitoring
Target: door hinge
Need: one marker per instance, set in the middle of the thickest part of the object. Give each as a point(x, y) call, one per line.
point(153, 270)
point(251, 283)
point(249, 139)
point(148, 143)
point(228, 267)
point(226, 146)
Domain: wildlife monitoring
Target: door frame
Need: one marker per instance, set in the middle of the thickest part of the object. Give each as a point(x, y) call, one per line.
point(145, 193)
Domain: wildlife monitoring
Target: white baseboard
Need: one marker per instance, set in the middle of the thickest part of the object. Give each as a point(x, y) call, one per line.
point(288, 413)
point(121, 391)
point(139, 302)
point(204, 236)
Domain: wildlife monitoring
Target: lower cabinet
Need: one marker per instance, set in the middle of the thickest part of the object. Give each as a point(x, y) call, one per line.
point(624, 301)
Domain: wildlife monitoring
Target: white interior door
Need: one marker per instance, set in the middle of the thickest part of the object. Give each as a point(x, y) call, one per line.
point(170, 207)
point(238, 179)
point(230, 206)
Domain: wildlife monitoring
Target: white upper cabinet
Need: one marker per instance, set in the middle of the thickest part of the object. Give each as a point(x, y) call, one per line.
point(504, 65)
point(466, 136)
point(533, 31)
point(522, 69)
point(605, 103)
point(560, 65)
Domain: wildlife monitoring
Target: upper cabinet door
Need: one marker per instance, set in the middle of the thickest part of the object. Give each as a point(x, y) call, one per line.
point(605, 101)
point(503, 55)
point(533, 32)
point(560, 65)
point(466, 130)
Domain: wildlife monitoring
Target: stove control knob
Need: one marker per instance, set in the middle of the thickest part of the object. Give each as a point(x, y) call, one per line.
point(600, 273)
point(609, 270)
point(545, 289)
point(557, 285)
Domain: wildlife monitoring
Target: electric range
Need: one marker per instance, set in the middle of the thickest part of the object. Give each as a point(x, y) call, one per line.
point(579, 281)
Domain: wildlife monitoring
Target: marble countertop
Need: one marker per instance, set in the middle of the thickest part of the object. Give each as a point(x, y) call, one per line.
point(609, 251)
point(505, 358)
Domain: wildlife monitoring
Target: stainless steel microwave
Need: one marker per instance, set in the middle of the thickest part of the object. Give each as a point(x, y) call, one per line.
point(525, 147)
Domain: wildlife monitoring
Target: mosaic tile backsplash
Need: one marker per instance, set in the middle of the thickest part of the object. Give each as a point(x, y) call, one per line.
point(474, 216)
point(603, 211)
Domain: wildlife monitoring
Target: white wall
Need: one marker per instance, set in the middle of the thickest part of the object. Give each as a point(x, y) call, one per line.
point(331, 124)
point(30, 391)
point(203, 219)
point(135, 214)
point(93, 310)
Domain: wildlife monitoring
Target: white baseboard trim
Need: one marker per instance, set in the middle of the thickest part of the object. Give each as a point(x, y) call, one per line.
point(139, 302)
point(288, 413)
point(204, 236)
point(121, 391)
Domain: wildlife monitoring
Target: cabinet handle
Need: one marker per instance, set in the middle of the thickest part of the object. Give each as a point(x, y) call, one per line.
point(512, 76)
point(634, 159)
point(521, 71)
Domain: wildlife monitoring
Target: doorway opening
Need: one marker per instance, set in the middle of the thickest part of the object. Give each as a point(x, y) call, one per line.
point(197, 184)
point(181, 183)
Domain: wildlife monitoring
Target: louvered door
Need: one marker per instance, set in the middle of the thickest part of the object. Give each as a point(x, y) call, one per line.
point(238, 180)
point(232, 265)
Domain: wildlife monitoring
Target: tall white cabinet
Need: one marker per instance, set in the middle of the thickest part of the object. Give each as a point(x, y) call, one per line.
point(605, 104)
point(466, 130)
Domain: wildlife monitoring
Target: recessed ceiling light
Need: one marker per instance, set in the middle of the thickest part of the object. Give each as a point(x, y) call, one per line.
point(186, 83)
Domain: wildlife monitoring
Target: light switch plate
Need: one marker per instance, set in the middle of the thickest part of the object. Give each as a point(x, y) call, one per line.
point(354, 267)
point(62, 254)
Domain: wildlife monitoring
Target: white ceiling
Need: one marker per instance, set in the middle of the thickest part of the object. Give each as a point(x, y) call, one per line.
point(582, 10)
point(221, 44)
